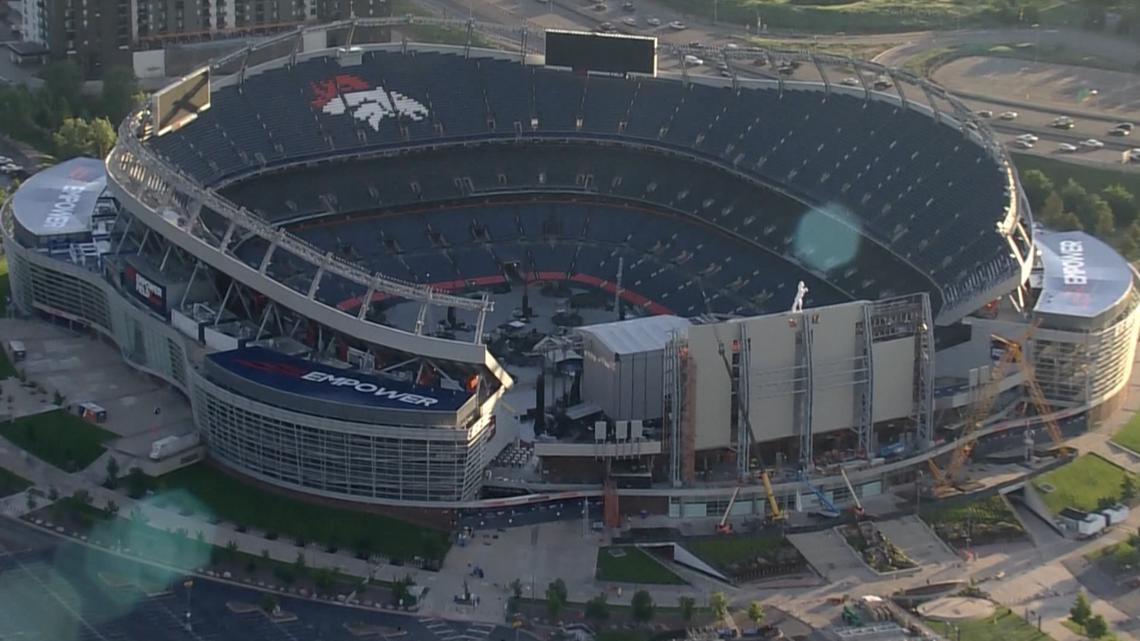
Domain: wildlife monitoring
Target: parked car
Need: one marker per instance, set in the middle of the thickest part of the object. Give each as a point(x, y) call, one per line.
point(677, 25)
point(630, 21)
point(653, 22)
point(628, 7)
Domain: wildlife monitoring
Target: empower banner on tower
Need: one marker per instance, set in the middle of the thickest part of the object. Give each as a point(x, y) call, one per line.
point(319, 382)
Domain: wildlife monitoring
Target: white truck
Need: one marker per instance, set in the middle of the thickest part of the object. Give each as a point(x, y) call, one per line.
point(171, 445)
point(1084, 524)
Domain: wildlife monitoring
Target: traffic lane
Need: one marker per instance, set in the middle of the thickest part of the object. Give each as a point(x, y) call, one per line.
point(1030, 120)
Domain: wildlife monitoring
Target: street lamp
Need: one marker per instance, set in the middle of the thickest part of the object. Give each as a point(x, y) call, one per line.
point(189, 623)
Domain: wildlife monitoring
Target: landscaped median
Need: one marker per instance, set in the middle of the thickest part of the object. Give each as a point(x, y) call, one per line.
point(747, 558)
point(1085, 484)
point(63, 440)
point(630, 564)
point(978, 522)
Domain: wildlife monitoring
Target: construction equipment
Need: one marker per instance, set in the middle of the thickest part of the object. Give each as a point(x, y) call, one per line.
point(773, 506)
point(827, 509)
point(1012, 355)
point(858, 509)
point(724, 527)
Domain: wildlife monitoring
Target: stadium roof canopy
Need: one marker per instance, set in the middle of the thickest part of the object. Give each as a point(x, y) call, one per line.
point(1081, 276)
point(637, 334)
point(60, 199)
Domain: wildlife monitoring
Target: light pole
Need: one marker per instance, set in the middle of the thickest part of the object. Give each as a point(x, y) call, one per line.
point(189, 623)
point(917, 492)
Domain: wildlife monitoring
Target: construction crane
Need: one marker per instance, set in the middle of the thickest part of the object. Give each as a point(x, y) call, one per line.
point(724, 527)
point(1013, 355)
point(858, 510)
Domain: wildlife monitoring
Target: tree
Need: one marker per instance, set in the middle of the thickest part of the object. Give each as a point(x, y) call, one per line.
point(642, 606)
point(231, 551)
point(554, 605)
point(112, 472)
point(1081, 610)
point(1097, 216)
point(269, 603)
point(299, 563)
point(1128, 488)
point(111, 509)
point(120, 91)
point(688, 607)
point(1122, 203)
point(718, 603)
point(136, 483)
point(558, 587)
point(598, 608)
point(30, 501)
point(83, 497)
point(53, 494)
point(1073, 193)
point(63, 80)
point(1037, 187)
point(755, 612)
point(1096, 627)
point(516, 587)
point(78, 137)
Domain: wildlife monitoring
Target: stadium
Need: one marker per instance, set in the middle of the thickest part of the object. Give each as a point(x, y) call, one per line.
point(455, 278)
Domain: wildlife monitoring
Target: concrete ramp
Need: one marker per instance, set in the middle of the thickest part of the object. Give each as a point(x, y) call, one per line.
point(1041, 531)
point(1029, 499)
point(916, 539)
point(831, 557)
point(685, 558)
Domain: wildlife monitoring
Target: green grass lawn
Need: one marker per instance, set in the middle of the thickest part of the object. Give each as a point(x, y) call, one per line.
point(1081, 484)
point(207, 491)
point(65, 441)
point(10, 483)
point(635, 566)
point(1007, 626)
point(1129, 435)
point(725, 551)
point(870, 15)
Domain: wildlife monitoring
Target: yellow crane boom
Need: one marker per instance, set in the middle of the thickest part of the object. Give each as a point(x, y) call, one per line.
point(773, 506)
point(980, 410)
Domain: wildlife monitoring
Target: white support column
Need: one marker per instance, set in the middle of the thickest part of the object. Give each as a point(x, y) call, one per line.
point(366, 302)
point(225, 301)
point(267, 257)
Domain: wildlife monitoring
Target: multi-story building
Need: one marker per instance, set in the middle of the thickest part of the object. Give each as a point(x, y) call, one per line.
point(102, 33)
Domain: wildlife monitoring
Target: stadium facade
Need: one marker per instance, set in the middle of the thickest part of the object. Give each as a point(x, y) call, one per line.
point(313, 260)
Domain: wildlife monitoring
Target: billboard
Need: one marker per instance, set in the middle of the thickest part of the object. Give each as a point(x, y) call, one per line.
point(145, 289)
point(604, 52)
point(318, 382)
point(180, 103)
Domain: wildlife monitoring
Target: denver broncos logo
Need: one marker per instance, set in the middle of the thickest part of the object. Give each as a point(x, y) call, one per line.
point(348, 93)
